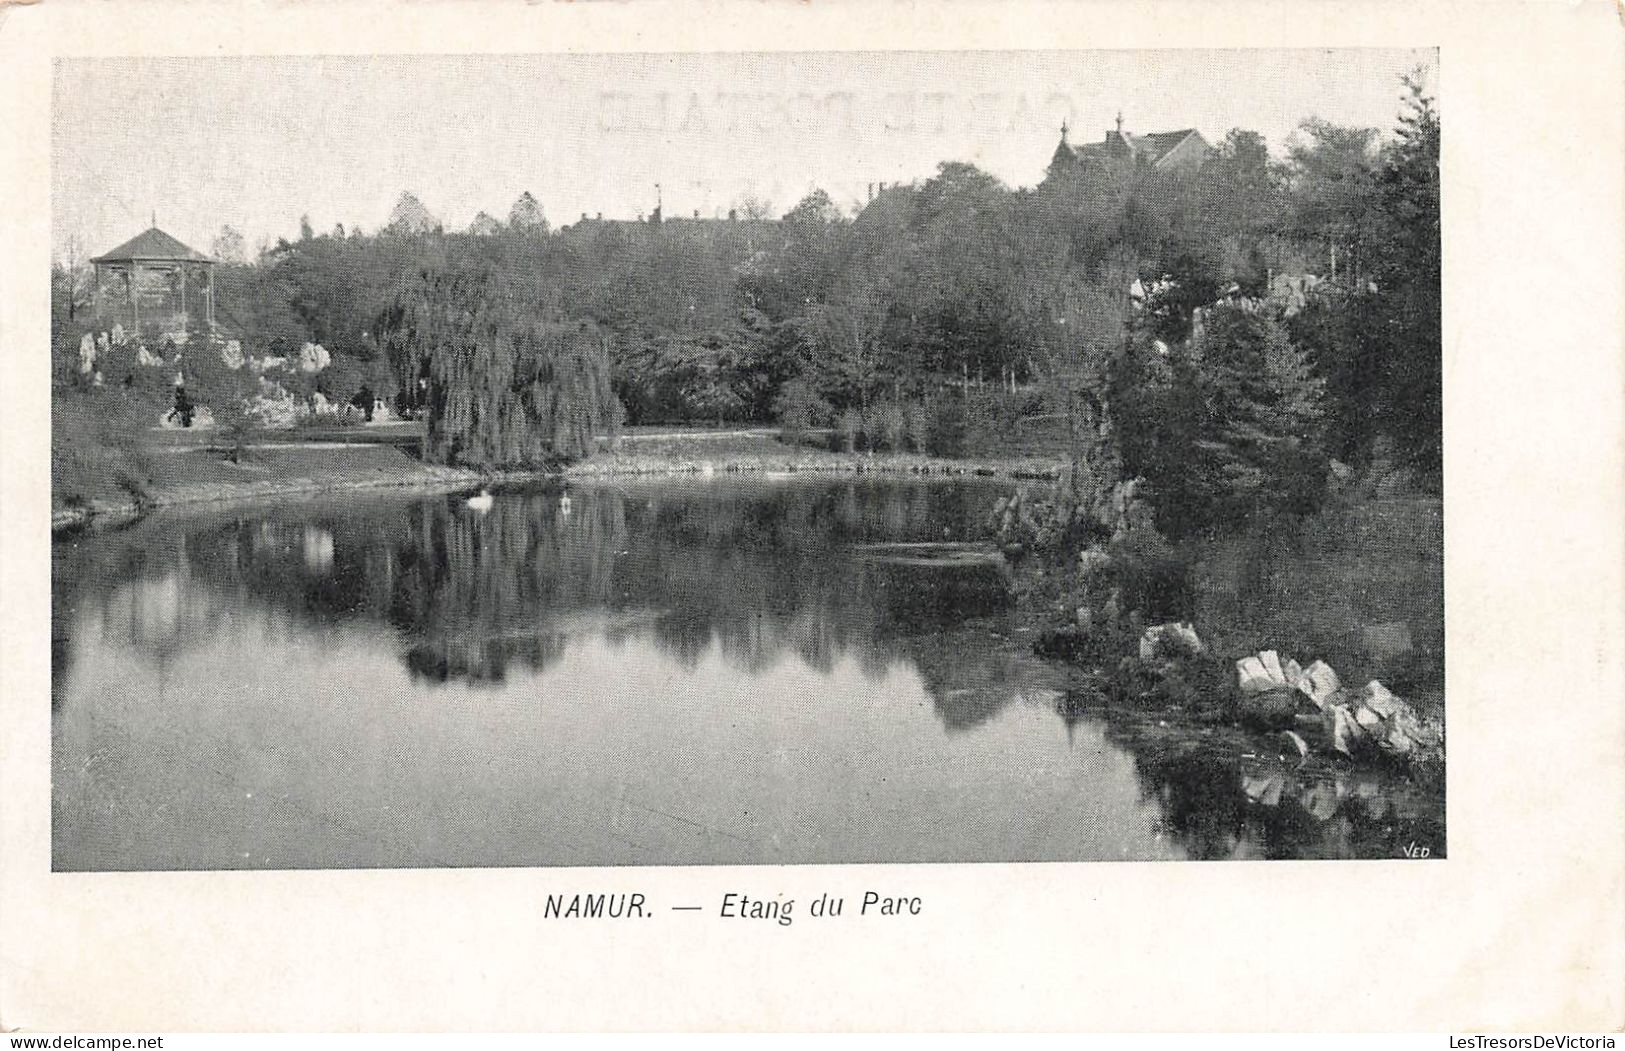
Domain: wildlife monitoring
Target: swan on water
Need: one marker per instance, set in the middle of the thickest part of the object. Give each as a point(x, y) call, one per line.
point(482, 502)
point(564, 503)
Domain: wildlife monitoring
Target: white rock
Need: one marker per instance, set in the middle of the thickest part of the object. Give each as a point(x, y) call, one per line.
point(1319, 683)
point(1272, 667)
point(1264, 790)
point(1369, 721)
point(1379, 699)
point(1320, 801)
point(313, 357)
point(1347, 737)
point(1252, 676)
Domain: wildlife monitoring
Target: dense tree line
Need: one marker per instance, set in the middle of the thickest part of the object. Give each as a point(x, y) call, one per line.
point(1115, 298)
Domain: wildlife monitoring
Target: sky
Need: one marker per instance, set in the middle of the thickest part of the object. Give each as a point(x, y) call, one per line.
point(257, 142)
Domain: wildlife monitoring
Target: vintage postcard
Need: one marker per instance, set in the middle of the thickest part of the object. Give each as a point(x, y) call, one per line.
point(792, 485)
point(831, 519)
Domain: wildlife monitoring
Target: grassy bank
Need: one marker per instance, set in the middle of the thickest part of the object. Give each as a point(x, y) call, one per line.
point(105, 471)
point(158, 478)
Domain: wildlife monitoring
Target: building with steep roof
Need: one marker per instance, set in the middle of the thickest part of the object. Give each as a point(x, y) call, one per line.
point(1181, 150)
point(154, 279)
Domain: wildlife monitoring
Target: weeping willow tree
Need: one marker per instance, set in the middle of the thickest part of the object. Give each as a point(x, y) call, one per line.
point(498, 381)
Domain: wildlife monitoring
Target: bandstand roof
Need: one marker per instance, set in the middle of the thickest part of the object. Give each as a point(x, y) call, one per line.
point(152, 245)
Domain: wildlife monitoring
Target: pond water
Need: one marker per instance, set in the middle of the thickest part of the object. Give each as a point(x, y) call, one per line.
point(711, 672)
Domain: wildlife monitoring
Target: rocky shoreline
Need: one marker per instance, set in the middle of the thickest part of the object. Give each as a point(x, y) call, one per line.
point(833, 463)
point(1280, 722)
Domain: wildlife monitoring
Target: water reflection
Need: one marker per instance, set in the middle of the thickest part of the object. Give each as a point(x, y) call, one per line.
point(647, 674)
point(1228, 795)
point(1263, 808)
point(759, 570)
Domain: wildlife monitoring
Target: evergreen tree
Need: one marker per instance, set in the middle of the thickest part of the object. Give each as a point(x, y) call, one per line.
point(1342, 334)
point(1375, 331)
point(1406, 272)
point(1258, 446)
point(1156, 401)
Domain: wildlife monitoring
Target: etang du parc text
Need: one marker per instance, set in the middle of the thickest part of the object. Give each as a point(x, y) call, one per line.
point(732, 906)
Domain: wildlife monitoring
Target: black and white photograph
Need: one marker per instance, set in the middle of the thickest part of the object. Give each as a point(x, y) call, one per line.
point(1087, 516)
point(746, 459)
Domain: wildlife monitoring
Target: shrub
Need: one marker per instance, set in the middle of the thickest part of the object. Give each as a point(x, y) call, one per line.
point(95, 445)
point(945, 431)
point(848, 426)
point(184, 409)
point(799, 408)
point(917, 426)
point(1153, 576)
point(884, 426)
point(989, 416)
